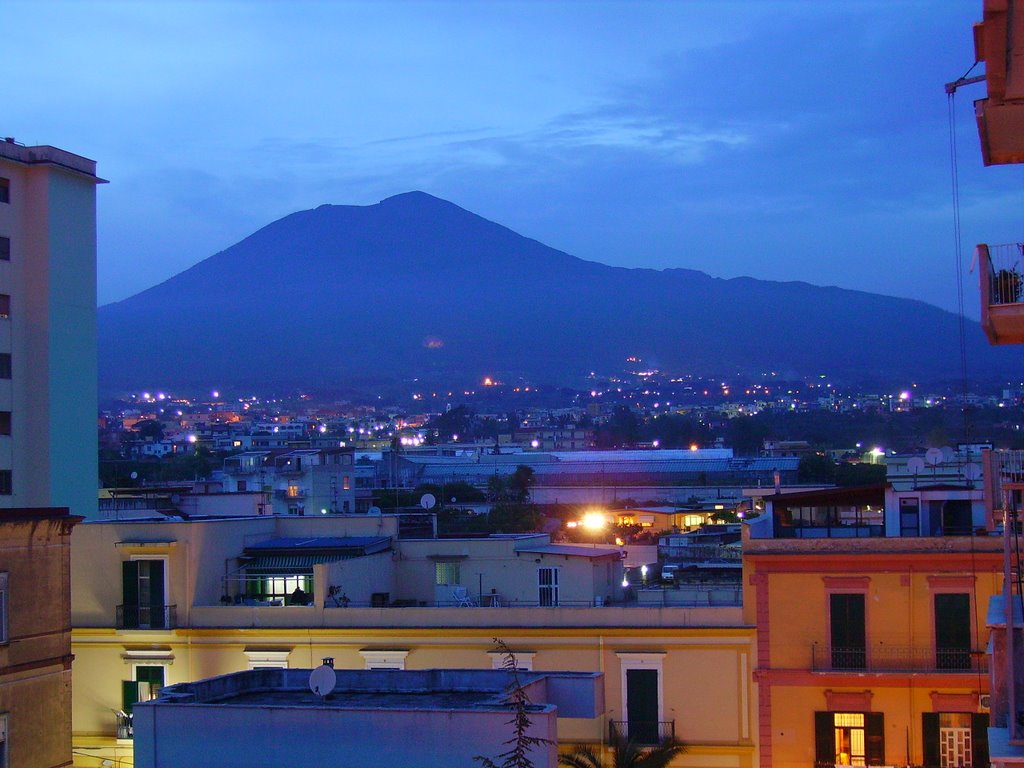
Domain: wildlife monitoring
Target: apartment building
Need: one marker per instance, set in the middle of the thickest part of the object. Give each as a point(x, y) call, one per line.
point(870, 609)
point(35, 637)
point(160, 602)
point(48, 444)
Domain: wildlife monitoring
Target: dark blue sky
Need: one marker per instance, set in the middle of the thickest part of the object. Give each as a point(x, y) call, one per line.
point(786, 141)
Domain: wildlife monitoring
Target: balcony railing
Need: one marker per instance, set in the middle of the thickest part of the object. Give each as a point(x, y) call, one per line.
point(1002, 312)
point(642, 731)
point(147, 616)
point(893, 658)
point(124, 725)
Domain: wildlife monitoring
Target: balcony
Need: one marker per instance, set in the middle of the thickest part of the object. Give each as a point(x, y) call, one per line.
point(1002, 311)
point(146, 617)
point(645, 732)
point(124, 725)
point(894, 658)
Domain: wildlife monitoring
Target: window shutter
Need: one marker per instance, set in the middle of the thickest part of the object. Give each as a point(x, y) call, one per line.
point(930, 739)
point(156, 594)
point(875, 732)
point(979, 738)
point(129, 695)
point(130, 594)
point(824, 738)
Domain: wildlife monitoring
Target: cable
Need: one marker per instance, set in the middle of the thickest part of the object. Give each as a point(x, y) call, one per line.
point(958, 259)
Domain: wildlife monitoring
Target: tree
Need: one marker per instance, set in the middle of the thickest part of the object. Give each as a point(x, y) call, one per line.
point(625, 754)
point(521, 743)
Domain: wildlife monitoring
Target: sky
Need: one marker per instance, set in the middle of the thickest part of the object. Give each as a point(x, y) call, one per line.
point(780, 140)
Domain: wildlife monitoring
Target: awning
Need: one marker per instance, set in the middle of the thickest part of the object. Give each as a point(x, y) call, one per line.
point(290, 563)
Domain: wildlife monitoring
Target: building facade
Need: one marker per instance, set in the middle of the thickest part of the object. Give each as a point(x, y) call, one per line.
point(48, 443)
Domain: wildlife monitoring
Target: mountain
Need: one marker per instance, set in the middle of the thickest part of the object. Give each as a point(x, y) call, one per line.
point(416, 285)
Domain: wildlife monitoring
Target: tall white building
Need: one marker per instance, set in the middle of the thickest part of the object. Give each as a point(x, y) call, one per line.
point(48, 449)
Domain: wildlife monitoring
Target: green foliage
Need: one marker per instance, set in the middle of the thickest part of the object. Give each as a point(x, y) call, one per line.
point(521, 744)
point(625, 754)
point(816, 468)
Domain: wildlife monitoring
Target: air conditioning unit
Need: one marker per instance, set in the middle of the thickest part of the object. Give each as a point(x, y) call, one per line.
point(984, 702)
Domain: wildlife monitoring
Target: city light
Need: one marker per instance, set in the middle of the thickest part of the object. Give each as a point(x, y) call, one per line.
point(594, 520)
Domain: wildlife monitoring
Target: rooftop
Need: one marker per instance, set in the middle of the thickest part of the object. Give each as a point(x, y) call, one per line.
point(46, 155)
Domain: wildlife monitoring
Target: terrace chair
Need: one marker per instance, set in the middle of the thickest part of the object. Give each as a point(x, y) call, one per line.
point(462, 598)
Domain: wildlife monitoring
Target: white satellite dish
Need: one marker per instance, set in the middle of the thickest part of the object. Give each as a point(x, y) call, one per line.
point(948, 454)
point(322, 680)
point(933, 456)
point(427, 501)
point(972, 472)
point(915, 465)
point(134, 475)
point(373, 511)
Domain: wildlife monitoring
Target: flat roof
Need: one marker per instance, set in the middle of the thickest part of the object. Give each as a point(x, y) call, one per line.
point(570, 550)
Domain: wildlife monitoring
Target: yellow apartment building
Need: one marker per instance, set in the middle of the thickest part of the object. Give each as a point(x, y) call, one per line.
point(159, 602)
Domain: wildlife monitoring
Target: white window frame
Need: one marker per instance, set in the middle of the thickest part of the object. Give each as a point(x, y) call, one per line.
point(264, 659)
point(524, 660)
point(4, 630)
point(643, 660)
point(552, 587)
point(167, 576)
point(391, 659)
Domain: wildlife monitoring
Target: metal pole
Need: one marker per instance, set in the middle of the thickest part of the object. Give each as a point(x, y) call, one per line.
point(1009, 521)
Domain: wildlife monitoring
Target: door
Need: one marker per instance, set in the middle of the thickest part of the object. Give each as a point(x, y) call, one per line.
point(547, 580)
point(143, 595)
point(953, 631)
point(849, 648)
point(642, 705)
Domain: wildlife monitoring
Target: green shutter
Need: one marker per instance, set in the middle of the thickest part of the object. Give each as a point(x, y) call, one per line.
point(874, 731)
point(156, 594)
point(979, 738)
point(824, 738)
point(130, 594)
point(930, 739)
point(129, 695)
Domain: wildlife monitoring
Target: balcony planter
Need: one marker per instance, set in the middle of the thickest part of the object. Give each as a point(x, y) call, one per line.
point(1006, 286)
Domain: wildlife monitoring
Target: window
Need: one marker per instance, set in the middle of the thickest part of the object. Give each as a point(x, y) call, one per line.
point(641, 698)
point(346, 483)
point(6, 482)
point(5, 422)
point(267, 659)
point(955, 739)
point(146, 685)
point(547, 580)
point(952, 631)
point(849, 738)
point(848, 638)
point(5, 365)
point(280, 588)
point(447, 574)
point(241, 486)
point(523, 659)
point(392, 659)
point(4, 755)
point(5, 249)
point(143, 593)
point(910, 517)
point(5, 305)
point(293, 491)
point(5, 190)
point(3, 609)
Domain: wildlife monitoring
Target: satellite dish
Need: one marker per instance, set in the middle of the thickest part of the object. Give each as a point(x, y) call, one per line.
point(972, 472)
point(427, 501)
point(373, 511)
point(915, 465)
point(322, 680)
point(175, 498)
point(948, 454)
point(933, 456)
point(134, 475)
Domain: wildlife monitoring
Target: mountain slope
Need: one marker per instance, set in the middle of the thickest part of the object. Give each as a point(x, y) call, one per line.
point(416, 284)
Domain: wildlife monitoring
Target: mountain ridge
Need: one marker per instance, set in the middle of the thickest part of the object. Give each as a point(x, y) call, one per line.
point(336, 291)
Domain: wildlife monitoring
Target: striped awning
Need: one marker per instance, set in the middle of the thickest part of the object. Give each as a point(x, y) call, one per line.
point(290, 563)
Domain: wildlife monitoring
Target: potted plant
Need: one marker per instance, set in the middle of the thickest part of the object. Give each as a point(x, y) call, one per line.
point(1006, 286)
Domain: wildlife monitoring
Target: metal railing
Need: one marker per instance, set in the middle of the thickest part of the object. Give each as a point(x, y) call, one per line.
point(1000, 265)
point(124, 725)
point(146, 617)
point(642, 731)
point(893, 658)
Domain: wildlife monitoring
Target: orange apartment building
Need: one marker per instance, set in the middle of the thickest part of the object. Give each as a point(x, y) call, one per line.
point(870, 612)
